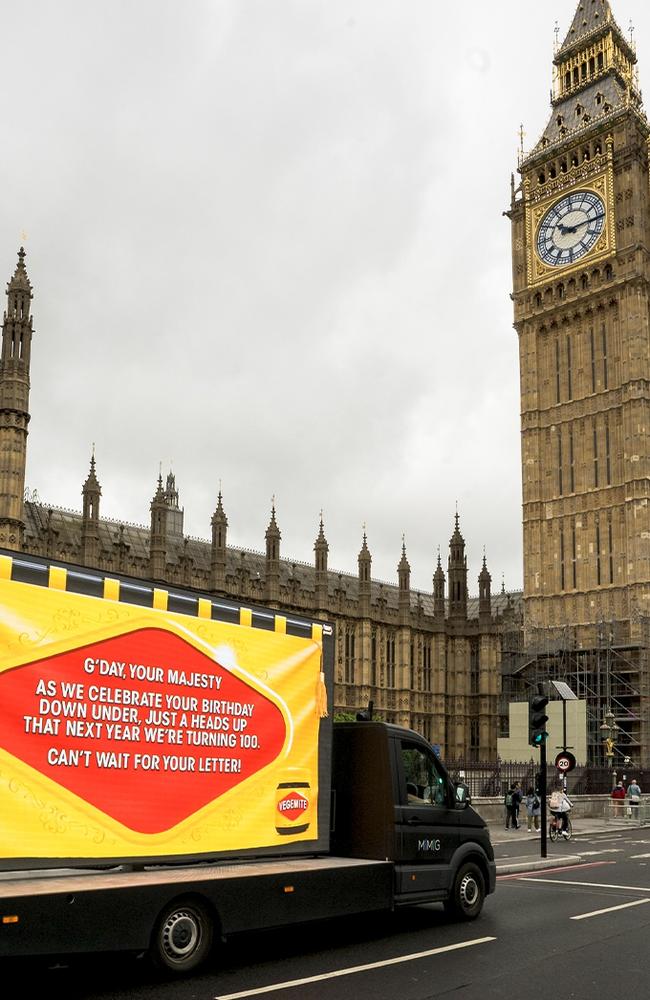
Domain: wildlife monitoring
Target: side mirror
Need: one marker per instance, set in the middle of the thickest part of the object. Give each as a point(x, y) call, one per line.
point(463, 798)
point(366, 714)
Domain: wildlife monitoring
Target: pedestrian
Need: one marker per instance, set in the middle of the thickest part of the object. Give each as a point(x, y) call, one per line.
point(533, 809)
point(560, 805)
point(517, 796)
point(511, 801)
point(618, 795)
point(634, 798)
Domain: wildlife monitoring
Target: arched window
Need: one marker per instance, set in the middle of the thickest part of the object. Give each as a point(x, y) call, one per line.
point(542, 178)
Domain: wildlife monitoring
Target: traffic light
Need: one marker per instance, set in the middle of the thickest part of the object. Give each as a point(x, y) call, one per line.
point(537, 719)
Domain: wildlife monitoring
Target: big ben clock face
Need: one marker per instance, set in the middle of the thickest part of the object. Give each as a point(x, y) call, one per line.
point(570, 228)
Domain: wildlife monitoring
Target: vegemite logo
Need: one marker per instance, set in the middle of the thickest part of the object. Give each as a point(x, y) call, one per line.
point(293, 806)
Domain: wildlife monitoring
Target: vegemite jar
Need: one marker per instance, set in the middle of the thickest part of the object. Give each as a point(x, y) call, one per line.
point(293, 802)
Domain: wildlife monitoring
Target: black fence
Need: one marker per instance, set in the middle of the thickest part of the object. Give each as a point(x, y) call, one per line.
point(489, 778)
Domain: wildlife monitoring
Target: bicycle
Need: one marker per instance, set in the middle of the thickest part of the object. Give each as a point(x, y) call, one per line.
point(554, 827)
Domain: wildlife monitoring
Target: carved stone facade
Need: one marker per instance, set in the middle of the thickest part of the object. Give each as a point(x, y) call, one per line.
point(584, 335)
point(581, 280)
point(14, 404)
point(429, 661)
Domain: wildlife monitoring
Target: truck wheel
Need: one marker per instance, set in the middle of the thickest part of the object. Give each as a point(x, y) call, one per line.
point(467, 894)
point(183, 936)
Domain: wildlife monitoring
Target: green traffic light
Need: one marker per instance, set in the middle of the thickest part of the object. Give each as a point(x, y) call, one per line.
point(537, 719)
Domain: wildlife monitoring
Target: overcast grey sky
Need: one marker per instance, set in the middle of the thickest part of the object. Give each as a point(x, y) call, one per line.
point(267, 248)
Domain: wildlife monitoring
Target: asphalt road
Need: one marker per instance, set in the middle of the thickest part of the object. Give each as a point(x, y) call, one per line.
point(578, 931)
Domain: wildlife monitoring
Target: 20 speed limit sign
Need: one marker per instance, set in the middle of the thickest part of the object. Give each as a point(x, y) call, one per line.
point(565, 761)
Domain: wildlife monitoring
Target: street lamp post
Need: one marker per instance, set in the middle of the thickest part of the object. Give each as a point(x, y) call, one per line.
point(608, 729)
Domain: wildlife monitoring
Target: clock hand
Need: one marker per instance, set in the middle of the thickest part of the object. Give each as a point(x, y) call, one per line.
point(574, 229)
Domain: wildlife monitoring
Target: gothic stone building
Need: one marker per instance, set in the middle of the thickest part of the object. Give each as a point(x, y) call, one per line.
point(581, 280)
point(429, 661)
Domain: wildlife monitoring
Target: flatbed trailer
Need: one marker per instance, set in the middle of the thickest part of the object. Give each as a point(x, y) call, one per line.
point(165, 910)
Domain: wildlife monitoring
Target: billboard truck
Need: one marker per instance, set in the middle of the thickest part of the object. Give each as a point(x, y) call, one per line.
point(170, 775)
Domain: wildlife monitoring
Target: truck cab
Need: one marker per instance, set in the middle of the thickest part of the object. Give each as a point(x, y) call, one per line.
point(394, 801)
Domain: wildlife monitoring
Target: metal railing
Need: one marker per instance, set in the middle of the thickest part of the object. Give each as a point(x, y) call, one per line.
point(626, 812)
point(488, 778)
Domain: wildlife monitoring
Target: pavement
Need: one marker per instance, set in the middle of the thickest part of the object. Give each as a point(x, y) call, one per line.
point(526, 847)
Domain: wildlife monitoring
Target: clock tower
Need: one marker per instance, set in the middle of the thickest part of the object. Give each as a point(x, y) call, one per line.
point(581, 290)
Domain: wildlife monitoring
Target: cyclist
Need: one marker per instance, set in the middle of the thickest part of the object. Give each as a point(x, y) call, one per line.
point(560, 805)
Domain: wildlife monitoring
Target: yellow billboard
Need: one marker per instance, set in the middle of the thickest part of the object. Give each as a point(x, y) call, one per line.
point(136, 732)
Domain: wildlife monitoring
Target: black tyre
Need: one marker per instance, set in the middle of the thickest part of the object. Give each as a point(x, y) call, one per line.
point(468, 893)
point(552, 831)
point(182, 939)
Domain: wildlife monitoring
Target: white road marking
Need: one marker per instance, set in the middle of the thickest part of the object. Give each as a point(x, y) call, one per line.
point(353, 969)
point(609, 850)
point(591, 885)
point(634, 857)
point(610, 909)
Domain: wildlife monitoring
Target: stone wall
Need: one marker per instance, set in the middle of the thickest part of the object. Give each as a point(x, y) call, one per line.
point(586, 806)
